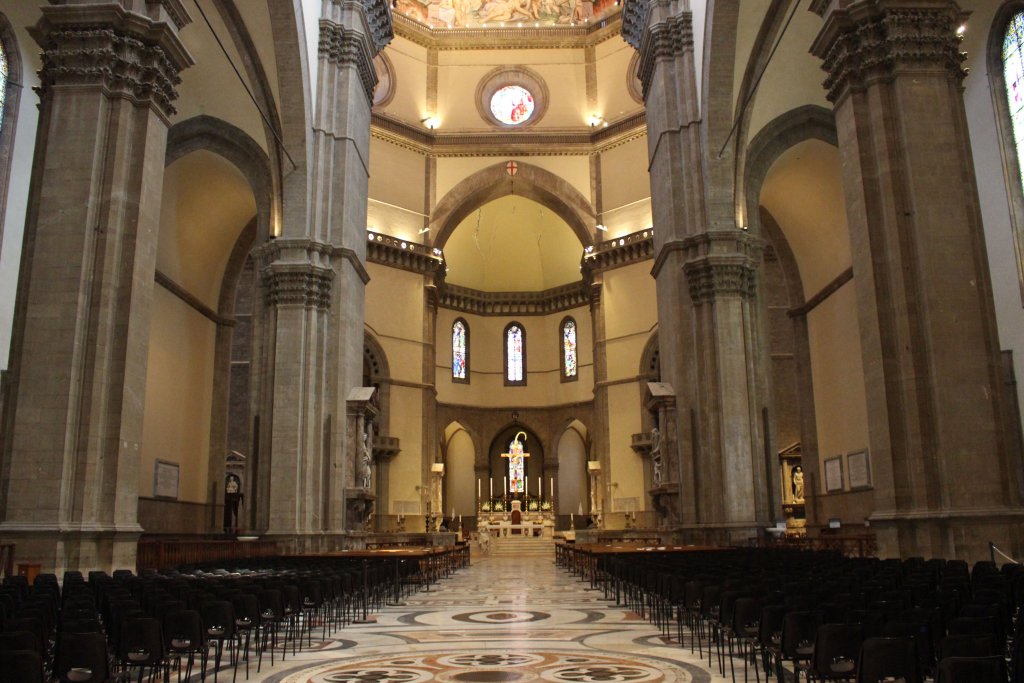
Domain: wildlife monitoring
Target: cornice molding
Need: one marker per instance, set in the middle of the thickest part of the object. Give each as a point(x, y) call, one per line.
point(503, 38)
point(412, 256)
point(502, 143)
point(621, 251)
point(554, 300)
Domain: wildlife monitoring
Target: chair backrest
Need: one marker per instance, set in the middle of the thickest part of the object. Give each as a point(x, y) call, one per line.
point(971, 670)
point(81, 657)
point(141, 642)
point(966, 645)
point(183, 631)
point(798, 631)
point(219, 619)
point(33, 626)
point(24, 666)
point(19, 640)
point(836, 648)
point(892, 658)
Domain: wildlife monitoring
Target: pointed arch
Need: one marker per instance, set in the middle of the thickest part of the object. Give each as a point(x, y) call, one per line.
point(532, 182)
point(460, 351)
point(569, 349)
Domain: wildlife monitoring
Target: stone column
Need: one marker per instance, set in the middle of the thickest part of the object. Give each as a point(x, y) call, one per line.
point(942, 475)
point(79, 350)
point(706, 277)
point(314, 336)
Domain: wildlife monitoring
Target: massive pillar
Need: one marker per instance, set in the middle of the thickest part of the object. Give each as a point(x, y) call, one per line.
point(706, 283)
point(315, 278)
point(943, 479)
point(70, 481)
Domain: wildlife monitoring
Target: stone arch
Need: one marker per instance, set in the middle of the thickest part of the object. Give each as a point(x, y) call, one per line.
point(534, 446)
point(220, 137)
point(809, 122)
point(532, 182)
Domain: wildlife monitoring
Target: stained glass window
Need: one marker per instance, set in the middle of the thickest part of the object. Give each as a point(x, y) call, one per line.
point(568, 348)
point(514, 344)
point(3, 82)
point(512, 105)
point(516, 467)
point(1013, 74)
point(459, 333)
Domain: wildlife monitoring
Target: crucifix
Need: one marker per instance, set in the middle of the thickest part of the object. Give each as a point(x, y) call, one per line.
point(516, 469)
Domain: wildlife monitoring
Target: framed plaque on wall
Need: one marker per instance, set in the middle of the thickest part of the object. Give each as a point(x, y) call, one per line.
point(858, 468)
point(834, 474)
point(165, 479)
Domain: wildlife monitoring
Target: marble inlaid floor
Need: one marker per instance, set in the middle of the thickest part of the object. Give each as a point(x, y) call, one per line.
point(502, 620)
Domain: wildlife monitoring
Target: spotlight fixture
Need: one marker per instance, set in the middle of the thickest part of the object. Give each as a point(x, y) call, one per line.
point(424, 230)
point(603, 228)
point(430, 122)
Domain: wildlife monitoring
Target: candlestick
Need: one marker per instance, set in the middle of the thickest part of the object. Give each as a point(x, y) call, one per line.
point(527, 489)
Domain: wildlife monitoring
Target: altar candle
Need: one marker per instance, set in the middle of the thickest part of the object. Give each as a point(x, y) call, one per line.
point(540, 488)
point(478, 488)
point(504, 484)
point(492, 487)
point(552, 482)
point(527, 486)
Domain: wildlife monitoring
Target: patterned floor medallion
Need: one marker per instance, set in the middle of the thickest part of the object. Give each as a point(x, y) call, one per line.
point(501, 616)
point(501, 667)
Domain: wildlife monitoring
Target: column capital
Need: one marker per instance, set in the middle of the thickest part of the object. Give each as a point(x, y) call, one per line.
point(721, 263)
point(656, 31)
point(867, 41)
point(297, 284)
point(352, 32)
point(124, 53)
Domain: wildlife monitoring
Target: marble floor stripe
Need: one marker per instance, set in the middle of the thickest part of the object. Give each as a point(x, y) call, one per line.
point(501, 620)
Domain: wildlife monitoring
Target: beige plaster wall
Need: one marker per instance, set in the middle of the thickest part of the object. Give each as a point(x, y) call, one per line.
point(206, 204)
point(543, 367)
point(459, 477)
point(406, 423)
point(396, 191)
point(572, 474)
point(625, 480)
point(613, 99)
point(625, 189)
point(179, 382)
point(410, 63)
point(838, 374)
point(460, 72)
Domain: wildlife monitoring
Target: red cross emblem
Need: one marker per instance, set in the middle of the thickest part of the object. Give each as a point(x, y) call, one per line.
point(511, 167)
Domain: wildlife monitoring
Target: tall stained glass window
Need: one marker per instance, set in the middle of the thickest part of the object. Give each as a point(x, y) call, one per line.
point(515, 348)
point(1013, 75)
point(460, 347)
point(516, 467)
point(3, 81)
point(569, 358)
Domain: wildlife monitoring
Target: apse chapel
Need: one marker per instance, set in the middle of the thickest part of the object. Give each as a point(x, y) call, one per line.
point(331, 271)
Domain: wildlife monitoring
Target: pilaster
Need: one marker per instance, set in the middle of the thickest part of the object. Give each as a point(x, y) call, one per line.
point(939, 459)
point(80, 344)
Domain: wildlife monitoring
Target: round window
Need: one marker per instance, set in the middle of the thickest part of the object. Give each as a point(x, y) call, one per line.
point(512, 105)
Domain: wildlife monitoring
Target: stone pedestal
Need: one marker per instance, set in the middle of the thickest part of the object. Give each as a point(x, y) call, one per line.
point(70, 483)
point(942, 474)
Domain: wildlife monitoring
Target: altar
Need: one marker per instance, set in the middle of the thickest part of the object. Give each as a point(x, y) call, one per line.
point(536, 523)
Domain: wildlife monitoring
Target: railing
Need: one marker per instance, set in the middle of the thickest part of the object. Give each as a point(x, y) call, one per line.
point(165, 554)
point(863, 545)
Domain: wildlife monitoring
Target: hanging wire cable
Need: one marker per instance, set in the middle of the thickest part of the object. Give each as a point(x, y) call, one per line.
point(757, 81)
point(266, 120)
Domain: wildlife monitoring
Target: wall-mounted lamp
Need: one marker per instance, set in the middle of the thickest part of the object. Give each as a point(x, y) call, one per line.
point(602, 228)
point(430, 122)
point(424, 231)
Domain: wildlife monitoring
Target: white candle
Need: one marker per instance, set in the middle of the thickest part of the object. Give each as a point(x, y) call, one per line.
point(492, 487)
point(504, 484)
point(477, 488)
point(540, 488)
point(527, 487)
point(453, 512)
point(552, 481)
